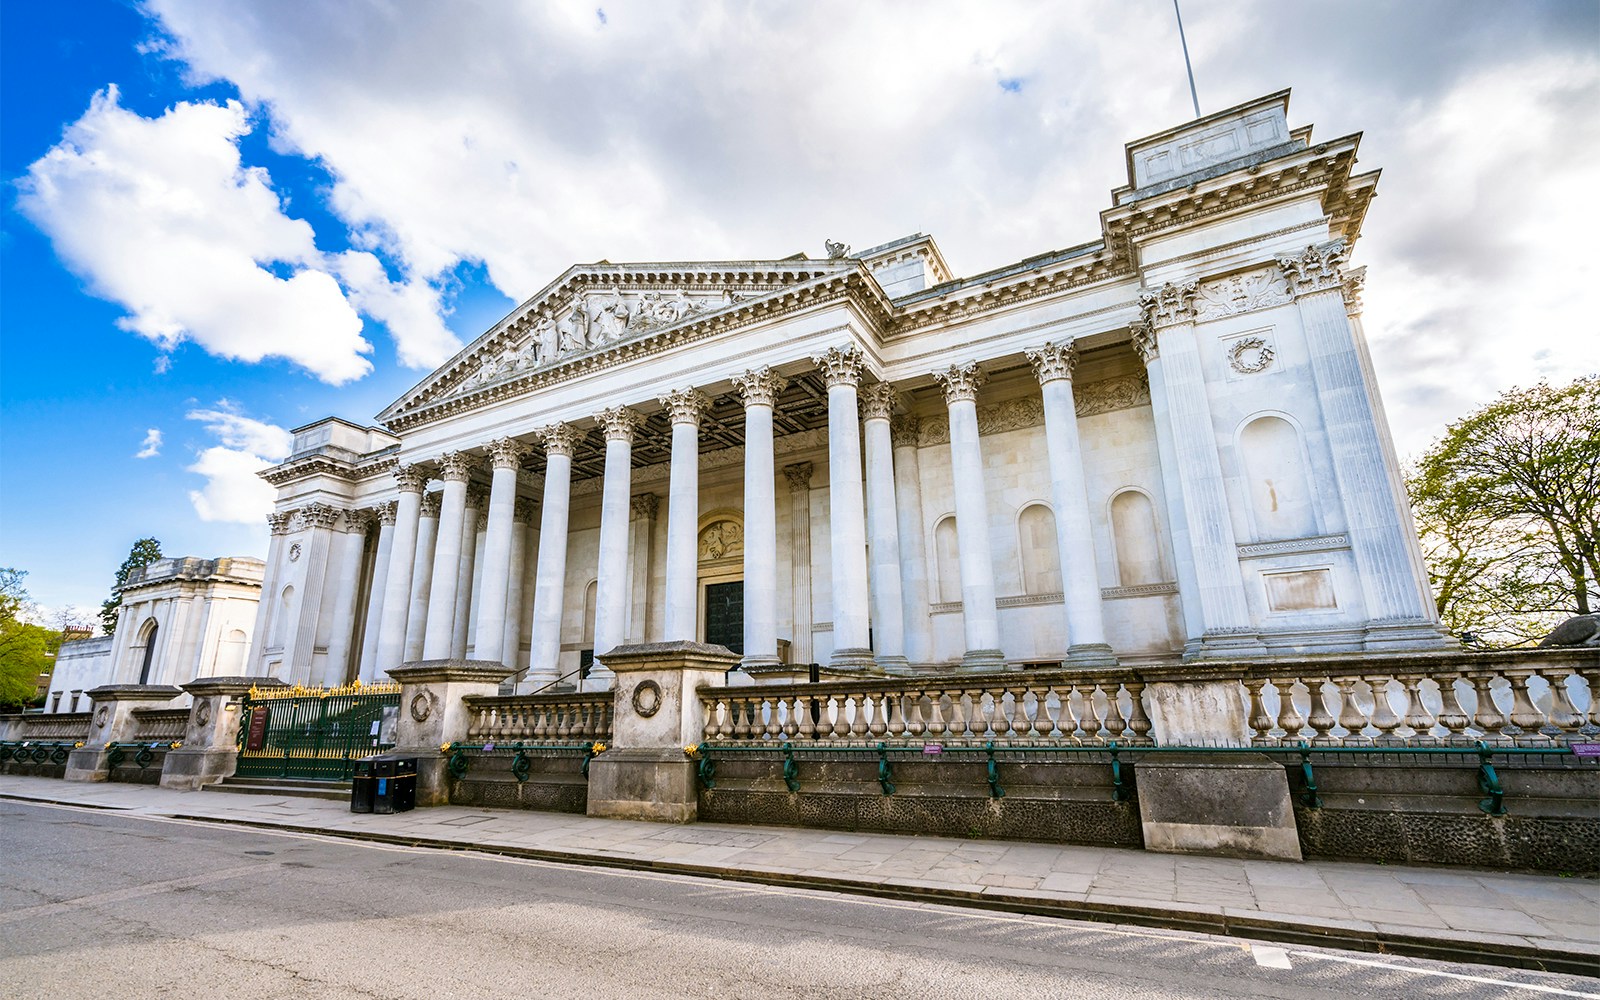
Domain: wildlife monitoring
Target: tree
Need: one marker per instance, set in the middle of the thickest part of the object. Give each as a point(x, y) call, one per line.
point(145, 551)
point(1508, 510)
point(26, 649)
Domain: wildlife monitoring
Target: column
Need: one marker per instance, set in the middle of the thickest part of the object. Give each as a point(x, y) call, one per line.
point(346, 592)
point(979, 613)
point(511, 635)
point(480, 540)
point(641, 543)
point(454, 468)
point(466, 579)
point(841, 369)
point(759, 389)
point(380, 583)
point(272, 583)
point(611, 590)
point(883, 531)
point(684, 407)
point(318, 519)
point(422, 576)
point(913, 544)
point(798, 476)
point(1399, 609)
point(489, 641)
point(1080, 578)
point(550, 584)
point(1229, 630)
point(402, 557)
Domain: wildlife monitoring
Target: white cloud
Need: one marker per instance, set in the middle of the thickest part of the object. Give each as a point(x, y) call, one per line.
point(234, 490)
point(151, 446)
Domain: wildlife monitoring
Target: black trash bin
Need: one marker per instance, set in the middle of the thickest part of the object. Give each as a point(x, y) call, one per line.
point(363, 786)
point(395, 781)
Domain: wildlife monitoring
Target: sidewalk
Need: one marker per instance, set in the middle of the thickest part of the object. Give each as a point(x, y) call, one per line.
point(1533, 921)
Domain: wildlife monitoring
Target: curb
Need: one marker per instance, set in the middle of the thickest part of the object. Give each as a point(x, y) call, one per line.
point(1307, 933)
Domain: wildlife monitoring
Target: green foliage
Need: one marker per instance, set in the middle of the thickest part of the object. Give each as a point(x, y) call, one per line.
point(145, 551)
point(26, 649)
point(1508, 510)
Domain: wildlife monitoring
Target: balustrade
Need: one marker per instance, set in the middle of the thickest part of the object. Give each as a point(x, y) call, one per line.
point(540, 718)
point(159, 725)
point(52, 726)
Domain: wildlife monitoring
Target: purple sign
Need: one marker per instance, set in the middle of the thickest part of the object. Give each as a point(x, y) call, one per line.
point(933, 748)
point(1586, 749)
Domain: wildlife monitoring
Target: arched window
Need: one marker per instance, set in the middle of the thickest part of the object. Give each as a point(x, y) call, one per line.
point(149, 638)
point(230, 653)
point(1041, 557)
point(1280, 490)
point(1133, 530)
point(947, 549)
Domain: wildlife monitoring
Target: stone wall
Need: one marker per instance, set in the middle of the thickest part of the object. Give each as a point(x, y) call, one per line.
point(555, 783)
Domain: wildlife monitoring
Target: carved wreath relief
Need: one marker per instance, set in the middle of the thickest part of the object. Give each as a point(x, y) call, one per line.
point(1250, 355)
point(647, 698)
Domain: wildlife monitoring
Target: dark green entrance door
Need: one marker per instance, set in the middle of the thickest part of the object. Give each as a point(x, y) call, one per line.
point(725, 615)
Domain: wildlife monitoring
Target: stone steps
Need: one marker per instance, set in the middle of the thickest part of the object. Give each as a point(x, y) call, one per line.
point(337, 791)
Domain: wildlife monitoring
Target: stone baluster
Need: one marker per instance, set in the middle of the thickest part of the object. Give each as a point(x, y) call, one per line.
point(1565, 719)
point(936, 723)
point(1138, 722)
point(916, 725)
point(1260, 721)
point(880, 725)
point(1384, 718)
point(1289, 718)
point(1115, 724)
point(1417, 717)
point(1487, 718)
point(1321, 721)
point(1525, 717)
point(1021, 725)
point(1351, 718)
point(1076, 706)
point(1451, 715)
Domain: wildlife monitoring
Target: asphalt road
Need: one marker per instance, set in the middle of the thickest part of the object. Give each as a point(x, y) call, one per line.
point(96, 904)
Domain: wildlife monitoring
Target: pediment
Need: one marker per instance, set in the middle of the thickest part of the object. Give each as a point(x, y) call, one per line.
point(594, 309)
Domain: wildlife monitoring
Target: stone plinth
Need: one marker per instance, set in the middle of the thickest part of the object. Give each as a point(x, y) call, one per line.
point(112, 721)
point(646, 774)
point(432, 714)
point(1198, 713)
point(210, 750)
point(1234, 805)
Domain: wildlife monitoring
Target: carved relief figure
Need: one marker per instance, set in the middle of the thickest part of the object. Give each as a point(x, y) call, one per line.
point(722, 540)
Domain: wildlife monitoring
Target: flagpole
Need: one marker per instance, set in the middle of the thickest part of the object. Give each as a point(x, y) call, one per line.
point(1186, 64)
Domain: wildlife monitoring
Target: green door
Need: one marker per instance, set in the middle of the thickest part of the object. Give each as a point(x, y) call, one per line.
point(725, 615)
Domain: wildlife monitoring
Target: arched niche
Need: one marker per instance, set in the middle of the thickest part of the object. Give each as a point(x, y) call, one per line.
point(1135, 537)
point(947, 556)
point(1040, 554)
point(1275, 473)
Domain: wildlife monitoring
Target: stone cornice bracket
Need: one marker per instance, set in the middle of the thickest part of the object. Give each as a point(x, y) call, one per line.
point(878, 401)
point(523, 509)
point(1053, 362)
point(645, 505)
point(477, 497)
point(506, 453)
point(1170, 304)
point(1355, 280)
point(903, 430)
point(960, 382)
point(455, 467)
point(1144, 341)
point(618, 423)
point(840, 365)
point(430, 504)
point(559, 439)
point(798, 476)
point(358, 522)
point(411, 478)
point(387, 512)
point(278, 521)
point(760, 386)
point(1316, 270)
point(684, 406)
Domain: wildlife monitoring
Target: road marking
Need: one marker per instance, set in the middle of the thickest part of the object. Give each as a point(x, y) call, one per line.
point(133, 892)
point(1446, 975)
point(1269, 957)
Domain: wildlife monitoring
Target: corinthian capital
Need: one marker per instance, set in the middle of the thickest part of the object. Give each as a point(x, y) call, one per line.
point(477, 496)
point(358, 522)
point(522, 510)
point(1144, 341)
point(1317, 269)
point(760, 386)
point(387, 512)
point(455, 467)
point(1170, 304)
point(645, 505)
point(278, 521)
point(840, 365)
point(903, 430)
point(960, 382)
point(411, 478)
point(319, 515)
point(1355, 280)
point(877, 401)
point(559, 439)
point(506, 453)
point(618, 423)
point(798, 476)
point(1052, 362)
point(684, 406)
point(430, 504)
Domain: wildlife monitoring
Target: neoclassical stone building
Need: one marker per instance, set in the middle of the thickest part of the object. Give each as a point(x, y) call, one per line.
point(1165, 443)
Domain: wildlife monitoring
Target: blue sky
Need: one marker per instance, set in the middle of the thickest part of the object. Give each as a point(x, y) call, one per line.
point(224, 220)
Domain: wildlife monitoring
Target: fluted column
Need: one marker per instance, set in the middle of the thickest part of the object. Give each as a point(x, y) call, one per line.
point(684, 407)
point(454, 468)
point(1144, 342)
point(466, 579)
point(759, 389)
point(385, 514)
point(802, 613)
point(641, 542)
point(1229, 630)
point(511, 636)
point(354, 549)
point(550, 583)
point(979, 611)
point(611, 589)
point(422, 576)
point(883, 531)
point(271, 586)
point(1080, 578)
point(402, 559)
point(841, 369)
point(489, 641)
point(913, 546)
point(1400, 610)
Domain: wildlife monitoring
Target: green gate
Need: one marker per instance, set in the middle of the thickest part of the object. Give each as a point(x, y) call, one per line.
point(315, 733)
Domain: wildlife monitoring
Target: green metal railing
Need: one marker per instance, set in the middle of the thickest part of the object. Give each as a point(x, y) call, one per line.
point(315, 733)
point(460, 762)
point(144, 754)
point(38, 751)
point(705, 756)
